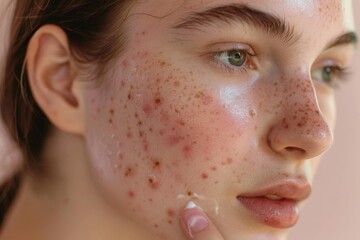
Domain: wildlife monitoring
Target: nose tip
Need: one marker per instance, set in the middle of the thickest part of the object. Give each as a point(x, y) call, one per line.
point(302, 134)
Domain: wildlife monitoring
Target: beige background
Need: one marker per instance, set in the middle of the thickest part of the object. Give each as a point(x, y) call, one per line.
point(333, 211)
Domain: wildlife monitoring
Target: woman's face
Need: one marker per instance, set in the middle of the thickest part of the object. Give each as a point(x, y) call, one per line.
point(229, 106)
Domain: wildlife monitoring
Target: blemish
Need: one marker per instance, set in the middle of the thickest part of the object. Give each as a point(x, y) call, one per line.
point(153, 182)
point(156, 163)
point(170, 212)
point(129, 135)
point(158, 100)
point(170, 221)
point(129, 172)
point(147, 109)
point(187, 151)
point(173, 140)
point(112, 111)
point(204, 176)
point(131, 194)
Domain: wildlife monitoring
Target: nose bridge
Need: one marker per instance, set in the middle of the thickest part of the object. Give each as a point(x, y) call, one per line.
point(302, 106)
point(301, 130)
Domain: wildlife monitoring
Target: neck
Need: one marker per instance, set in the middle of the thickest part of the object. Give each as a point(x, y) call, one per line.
point(64, 203)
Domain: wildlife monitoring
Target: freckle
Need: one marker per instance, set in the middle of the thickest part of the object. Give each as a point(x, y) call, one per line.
point(141, 133)
point(189, 193)
point(156, 226)
point(129, 96)
point(112, 99)
point(204, 176)
point(156, 164)
point(129, 172)
point(112, 111)
point(158, 101)
point(131, 194)
point(214, 168)
point(110, 121)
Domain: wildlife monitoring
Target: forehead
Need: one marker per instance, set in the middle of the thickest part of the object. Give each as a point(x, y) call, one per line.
point(330, 16)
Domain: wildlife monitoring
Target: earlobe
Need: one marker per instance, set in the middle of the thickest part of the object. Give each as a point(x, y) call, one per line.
point(52, 72)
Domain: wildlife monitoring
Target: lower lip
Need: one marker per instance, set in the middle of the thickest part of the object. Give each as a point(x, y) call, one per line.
point(275, 213)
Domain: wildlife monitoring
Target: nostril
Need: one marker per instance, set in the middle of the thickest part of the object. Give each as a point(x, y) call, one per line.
point(295, 149)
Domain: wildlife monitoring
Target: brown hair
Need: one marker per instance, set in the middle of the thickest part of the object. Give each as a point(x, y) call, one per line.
point(96, 34)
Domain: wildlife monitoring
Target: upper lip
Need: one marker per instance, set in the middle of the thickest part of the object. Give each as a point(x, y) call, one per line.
point(294, 189)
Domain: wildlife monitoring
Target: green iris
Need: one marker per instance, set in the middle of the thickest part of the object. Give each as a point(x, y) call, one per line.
point(236, 57)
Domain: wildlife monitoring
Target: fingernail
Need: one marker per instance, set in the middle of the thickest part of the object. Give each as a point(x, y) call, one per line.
point(197, 223)
point(195, 220)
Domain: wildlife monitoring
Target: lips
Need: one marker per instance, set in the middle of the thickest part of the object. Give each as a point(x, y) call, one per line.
point(277, 205)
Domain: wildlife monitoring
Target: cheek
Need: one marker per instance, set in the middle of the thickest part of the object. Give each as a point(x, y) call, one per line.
point(162, 135)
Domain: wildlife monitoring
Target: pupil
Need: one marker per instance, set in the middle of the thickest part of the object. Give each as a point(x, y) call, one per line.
point(237, 58)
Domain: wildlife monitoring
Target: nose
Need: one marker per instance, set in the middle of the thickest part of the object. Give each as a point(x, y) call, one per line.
point(300, 131)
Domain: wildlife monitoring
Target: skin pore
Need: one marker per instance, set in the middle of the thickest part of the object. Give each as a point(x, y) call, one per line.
point(176, 119)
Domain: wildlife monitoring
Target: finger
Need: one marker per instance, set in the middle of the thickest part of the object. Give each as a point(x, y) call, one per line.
point(196, 225)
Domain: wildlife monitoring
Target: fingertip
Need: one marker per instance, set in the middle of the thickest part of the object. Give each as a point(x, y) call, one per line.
point(193, 220)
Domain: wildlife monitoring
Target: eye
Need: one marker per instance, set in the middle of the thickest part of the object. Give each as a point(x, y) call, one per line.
point(331, 75)
point(234, 59)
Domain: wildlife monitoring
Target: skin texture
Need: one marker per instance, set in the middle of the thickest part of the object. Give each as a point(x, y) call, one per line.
point(170, 124)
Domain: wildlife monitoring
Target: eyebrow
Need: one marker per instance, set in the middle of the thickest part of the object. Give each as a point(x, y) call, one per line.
point(345, 39)
point(267, 22)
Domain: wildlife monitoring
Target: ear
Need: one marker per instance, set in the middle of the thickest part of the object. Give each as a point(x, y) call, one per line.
point(52, 71)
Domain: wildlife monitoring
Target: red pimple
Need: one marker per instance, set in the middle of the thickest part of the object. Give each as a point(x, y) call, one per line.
point(170, 221)
point(180, 122)
point(153, 182)
point(170, 212)
point(173, 140)
point(131, 194)
point(187, 151)
point(229, 160)
point(129, 135)
point(147, 109)
point(204, 176)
